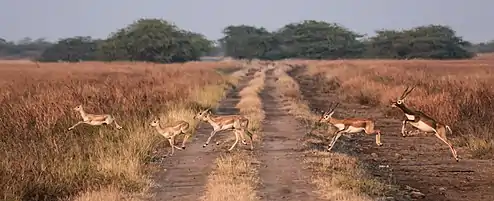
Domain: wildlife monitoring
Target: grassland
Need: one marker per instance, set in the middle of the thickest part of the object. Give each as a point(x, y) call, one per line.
point(458, 93)
point(337, 176)
point(41, 160)
point(235, 176)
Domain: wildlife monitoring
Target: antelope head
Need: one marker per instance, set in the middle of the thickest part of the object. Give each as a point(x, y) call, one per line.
point(155, 122)
point(78, 108)
point(329, 113)
point(203, 115)
point(401, 99)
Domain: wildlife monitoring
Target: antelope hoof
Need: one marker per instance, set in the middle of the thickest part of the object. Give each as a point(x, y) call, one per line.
point(119, 127)
point(218, 143)
point(70, 129)
point(244, 142)
point(183, 147)
point(204, 145)
point(380, 144)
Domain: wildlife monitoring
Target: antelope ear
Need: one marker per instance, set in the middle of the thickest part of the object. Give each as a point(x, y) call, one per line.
point(331, 114)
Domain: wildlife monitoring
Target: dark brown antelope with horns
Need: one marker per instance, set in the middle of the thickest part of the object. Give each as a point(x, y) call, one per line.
point(349, 125)
point(423, 122)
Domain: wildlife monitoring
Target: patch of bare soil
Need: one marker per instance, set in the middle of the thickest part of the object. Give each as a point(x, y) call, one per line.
point(183, 176)
point(282, 173)
point(420, 163)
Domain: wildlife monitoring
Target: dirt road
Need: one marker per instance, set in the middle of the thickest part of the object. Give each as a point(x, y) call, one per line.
point(183, 176)
point(282, 174)
point(421, 162)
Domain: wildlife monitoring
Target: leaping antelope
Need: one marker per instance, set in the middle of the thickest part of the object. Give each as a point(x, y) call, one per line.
point(179, 127)
point(236, 123)
point(349, 125)
point(422, 122)
point(94, 119)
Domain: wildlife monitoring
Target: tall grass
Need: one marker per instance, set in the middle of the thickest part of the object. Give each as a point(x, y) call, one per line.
point(458, 93)
point(235, 176)
point(41, 160)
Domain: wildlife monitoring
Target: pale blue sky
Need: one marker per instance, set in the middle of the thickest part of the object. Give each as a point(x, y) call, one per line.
point(55, 19)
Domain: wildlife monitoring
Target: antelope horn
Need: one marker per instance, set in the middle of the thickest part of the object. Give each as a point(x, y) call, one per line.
point(404, 93)
point(336, 106)
point(409, 91)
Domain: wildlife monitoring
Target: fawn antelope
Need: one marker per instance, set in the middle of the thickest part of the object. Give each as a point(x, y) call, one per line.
point(236, 123)
point(349, 125)
point(94, 119)
point(422, 122)
point(179, 127)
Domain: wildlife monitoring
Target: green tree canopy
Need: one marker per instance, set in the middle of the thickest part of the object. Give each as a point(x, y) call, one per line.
point(245, 42)
point(155, 40)
point(432, 41)
point(72, 49)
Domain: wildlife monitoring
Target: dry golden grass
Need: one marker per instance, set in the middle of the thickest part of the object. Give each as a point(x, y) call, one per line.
point(337, 176)
point(458, 93)
point(250, 103)
point(106, 194)
point(43, 161)
point(235, 177)
point(289, 90)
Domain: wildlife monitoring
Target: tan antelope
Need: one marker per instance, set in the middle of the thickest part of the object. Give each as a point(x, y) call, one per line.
point(422, 122)
point(170, 132)
point(236, 123)
point(94, 119)
point(349, 125)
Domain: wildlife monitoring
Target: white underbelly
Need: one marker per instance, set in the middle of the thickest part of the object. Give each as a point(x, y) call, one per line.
point(422, 126)
point(352, 129)
point(339, 126)
point(410, 117)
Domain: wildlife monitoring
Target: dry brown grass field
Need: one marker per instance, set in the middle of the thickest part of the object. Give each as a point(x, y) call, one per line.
point(41, 160)
point(458, 93)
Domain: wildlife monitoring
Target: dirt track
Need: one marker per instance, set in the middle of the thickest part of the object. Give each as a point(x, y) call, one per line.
point(186, 172)
point(282, 174)
point(421, 162)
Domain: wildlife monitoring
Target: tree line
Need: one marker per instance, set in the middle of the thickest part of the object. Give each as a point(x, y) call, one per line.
point(157, 40)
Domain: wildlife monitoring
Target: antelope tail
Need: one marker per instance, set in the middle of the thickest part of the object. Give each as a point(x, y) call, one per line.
point(450, 131)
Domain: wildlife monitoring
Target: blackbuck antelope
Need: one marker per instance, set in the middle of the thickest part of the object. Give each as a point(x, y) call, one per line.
point(349, 125)
point(236, 123)
point(422, 122)
point(170, 132)
point(94, 119)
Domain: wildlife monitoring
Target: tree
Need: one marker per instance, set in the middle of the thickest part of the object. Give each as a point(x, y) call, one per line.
point(155, 40)
point(246, 42)
point(72, 49)
point(486, 47)
point(318, 40)
point(25, 48)
point(431, 41)
point(308, 39)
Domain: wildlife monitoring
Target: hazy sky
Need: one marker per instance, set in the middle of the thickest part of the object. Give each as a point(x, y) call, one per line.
point(55, 19)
